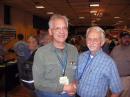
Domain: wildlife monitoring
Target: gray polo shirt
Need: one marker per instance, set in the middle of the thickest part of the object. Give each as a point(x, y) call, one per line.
point(47, 69)
point(121, 56)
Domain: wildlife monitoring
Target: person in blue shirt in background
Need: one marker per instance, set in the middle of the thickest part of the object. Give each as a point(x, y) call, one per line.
point(96, 71)
point(22, 51)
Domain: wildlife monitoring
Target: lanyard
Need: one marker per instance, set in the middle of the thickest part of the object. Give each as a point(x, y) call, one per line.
point(62, 61)
point(88, 62)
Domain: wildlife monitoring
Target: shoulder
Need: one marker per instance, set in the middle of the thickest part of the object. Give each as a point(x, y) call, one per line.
point(71, 48)
point(107, 58)
point(84, 54)
point(116, 47)
point(44, 48)
point(20, 43)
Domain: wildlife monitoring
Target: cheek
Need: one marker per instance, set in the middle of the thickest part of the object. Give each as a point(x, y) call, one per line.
point(66, 34)
point(55, 35)
point(97, 44)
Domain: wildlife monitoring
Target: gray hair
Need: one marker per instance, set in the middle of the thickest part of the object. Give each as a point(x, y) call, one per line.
point(57, 16)
point(98, 29)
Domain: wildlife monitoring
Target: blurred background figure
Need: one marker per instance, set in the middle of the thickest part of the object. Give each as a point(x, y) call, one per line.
point(22, 51)
point(106, 45)
point(121, 55)
point(79, 42)
point(43, 37)
point(27, 78)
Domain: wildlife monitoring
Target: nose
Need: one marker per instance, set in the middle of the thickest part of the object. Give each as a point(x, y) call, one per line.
point(62, 29)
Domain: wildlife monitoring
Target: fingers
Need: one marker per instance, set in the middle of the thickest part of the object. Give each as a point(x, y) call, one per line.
point(71, 94)
point(70, 89)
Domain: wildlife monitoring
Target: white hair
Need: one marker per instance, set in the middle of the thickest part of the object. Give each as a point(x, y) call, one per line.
point(57, 16)
point(98, 29)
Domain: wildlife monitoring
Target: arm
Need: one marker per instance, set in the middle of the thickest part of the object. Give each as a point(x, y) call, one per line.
point(72, 87)
point(114, 95)
point(115, 81)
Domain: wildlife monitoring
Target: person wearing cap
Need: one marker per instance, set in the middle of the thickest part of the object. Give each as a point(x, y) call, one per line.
point(121, 55)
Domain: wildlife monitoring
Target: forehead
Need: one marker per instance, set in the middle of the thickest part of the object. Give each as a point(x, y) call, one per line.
point(94, 34)
point(58, 21)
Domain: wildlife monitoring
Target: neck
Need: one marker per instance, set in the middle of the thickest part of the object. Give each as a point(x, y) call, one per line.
point(93, 53)
point(59, 45)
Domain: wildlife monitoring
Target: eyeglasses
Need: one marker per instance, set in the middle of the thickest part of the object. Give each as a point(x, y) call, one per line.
point(59, 29)
point(95, 40)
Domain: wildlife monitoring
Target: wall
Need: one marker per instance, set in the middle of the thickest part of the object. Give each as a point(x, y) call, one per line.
point(22, 21)
point(1, 15)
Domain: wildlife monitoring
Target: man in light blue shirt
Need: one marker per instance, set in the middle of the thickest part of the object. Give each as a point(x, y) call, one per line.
point(96, 71)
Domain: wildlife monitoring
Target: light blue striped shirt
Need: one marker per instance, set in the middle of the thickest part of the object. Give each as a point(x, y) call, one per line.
point(95, 76)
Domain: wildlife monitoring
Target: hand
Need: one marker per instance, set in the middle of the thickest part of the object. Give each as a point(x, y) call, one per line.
point(70, 89)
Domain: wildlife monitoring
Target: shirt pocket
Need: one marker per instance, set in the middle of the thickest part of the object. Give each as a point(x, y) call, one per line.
point(70, 70)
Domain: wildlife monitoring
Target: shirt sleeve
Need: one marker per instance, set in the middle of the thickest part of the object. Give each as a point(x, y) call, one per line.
point(115, 81)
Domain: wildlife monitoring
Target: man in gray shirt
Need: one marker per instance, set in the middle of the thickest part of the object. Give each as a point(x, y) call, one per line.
point(55, 63)
point(121, 55)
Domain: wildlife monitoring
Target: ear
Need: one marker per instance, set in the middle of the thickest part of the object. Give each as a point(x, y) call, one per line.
point(50, 32)
point(102, 43)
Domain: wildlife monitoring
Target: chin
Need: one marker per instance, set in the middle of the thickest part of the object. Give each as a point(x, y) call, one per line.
point(62, 40)
point(92, 49)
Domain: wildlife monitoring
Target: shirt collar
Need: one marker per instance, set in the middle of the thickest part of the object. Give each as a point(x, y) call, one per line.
point(53, 48)
point(91, 56)
point(97, 53)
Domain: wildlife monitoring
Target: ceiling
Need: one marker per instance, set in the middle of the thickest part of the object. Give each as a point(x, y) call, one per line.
point(74, 9)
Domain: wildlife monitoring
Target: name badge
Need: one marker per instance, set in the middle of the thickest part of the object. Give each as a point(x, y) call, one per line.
point(64, 80)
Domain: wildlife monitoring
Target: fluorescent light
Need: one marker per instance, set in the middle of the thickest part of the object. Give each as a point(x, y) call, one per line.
point(117, 17)
point(50, 12)
point(94, 5)
point(93, 11)
point(81, 17)
point(39, 6)
point(120, 21)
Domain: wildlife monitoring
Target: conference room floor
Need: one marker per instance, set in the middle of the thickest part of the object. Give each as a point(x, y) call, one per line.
point(19, 91)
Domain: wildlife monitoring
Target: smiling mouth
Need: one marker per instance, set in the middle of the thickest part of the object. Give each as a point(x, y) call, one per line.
point(62, 36)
